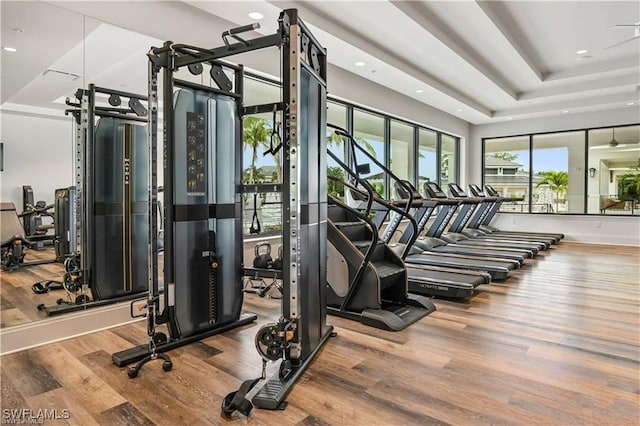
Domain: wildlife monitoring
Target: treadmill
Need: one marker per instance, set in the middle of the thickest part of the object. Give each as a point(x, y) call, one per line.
point(412, 255)
point(446, 208)
point(493, 203)
point(455, 235)
point(456, 191)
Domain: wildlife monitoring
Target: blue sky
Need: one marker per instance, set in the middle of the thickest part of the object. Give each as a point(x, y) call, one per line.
point(544, 159)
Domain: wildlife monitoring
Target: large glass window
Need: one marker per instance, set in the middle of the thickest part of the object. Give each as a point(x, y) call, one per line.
point(596, 168)
point(336, 115)
point(448, 160)
point(258, 91)
point(368, 131)
point(394, 146)
point(506, 169)
point(558, 173)
point(427, 157)
point(401, 157)
point(613, 183)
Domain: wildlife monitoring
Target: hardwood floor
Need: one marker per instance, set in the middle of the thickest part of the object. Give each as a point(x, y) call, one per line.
point(17, 301)
point(557, 343)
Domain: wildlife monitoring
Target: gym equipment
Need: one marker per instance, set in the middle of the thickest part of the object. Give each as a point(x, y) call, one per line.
point(13, 240)
point(498, 268)
point(299, 333)
point(263, 258)
point(367, 280)
point(256, 283)
point(32, 216)
point(255, 227)
point(422, 280)
point(428, 243)
point(277, 262)
point(65, 209)
point(105, 214)
point(492, 205)
point(458, 233)
point(202, 203)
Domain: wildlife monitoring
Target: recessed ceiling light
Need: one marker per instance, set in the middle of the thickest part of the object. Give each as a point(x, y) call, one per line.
point(60, 75)
point(565, 111)
point(360, 64)
point(581, 52)
point(630, 103)
point(256, 15)
point(459, 110)
point(10, 49)
point(509, 118)
point(419, 91)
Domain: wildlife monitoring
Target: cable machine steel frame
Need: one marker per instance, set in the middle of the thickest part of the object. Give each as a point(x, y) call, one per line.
point(303, 323)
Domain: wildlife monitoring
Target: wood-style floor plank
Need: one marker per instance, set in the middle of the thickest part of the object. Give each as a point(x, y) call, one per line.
point(558, 343)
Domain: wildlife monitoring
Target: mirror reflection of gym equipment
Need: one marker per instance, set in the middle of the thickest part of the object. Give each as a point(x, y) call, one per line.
point(107, 231)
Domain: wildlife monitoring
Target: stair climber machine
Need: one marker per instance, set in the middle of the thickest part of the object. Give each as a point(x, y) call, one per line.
point(367, 280)
point(103, 219)
point(421, 280)
point(203, 206)
point(479, 206)
point(454, 234)
point(493, 201)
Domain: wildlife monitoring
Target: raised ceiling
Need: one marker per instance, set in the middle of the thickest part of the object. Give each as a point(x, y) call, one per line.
point(480, 61)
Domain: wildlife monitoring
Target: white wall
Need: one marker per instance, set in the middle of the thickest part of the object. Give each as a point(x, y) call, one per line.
point(611, 230)
point(38, 151)
point(619, 230)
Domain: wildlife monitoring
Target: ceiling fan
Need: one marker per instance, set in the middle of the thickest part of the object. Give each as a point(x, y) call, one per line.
point(614, 143)
point(635, 36)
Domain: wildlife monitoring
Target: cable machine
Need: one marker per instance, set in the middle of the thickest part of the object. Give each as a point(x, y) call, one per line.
point(203, 200)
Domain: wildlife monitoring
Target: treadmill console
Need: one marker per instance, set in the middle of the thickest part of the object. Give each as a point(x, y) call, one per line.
point(403, 194)
point(475, 190)
point(456, 191)
point(490, 191)
point(432, 190)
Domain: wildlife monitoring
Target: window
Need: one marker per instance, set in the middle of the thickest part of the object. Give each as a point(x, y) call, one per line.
point(558, 173)
point(613, 170)
point(427, 157)
point(506, 168)
point(592, 171)
point(368, 131)
point(258, 91)
point(401, 157)
point(432, 157)
point(336, 115)
point(448, 160)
